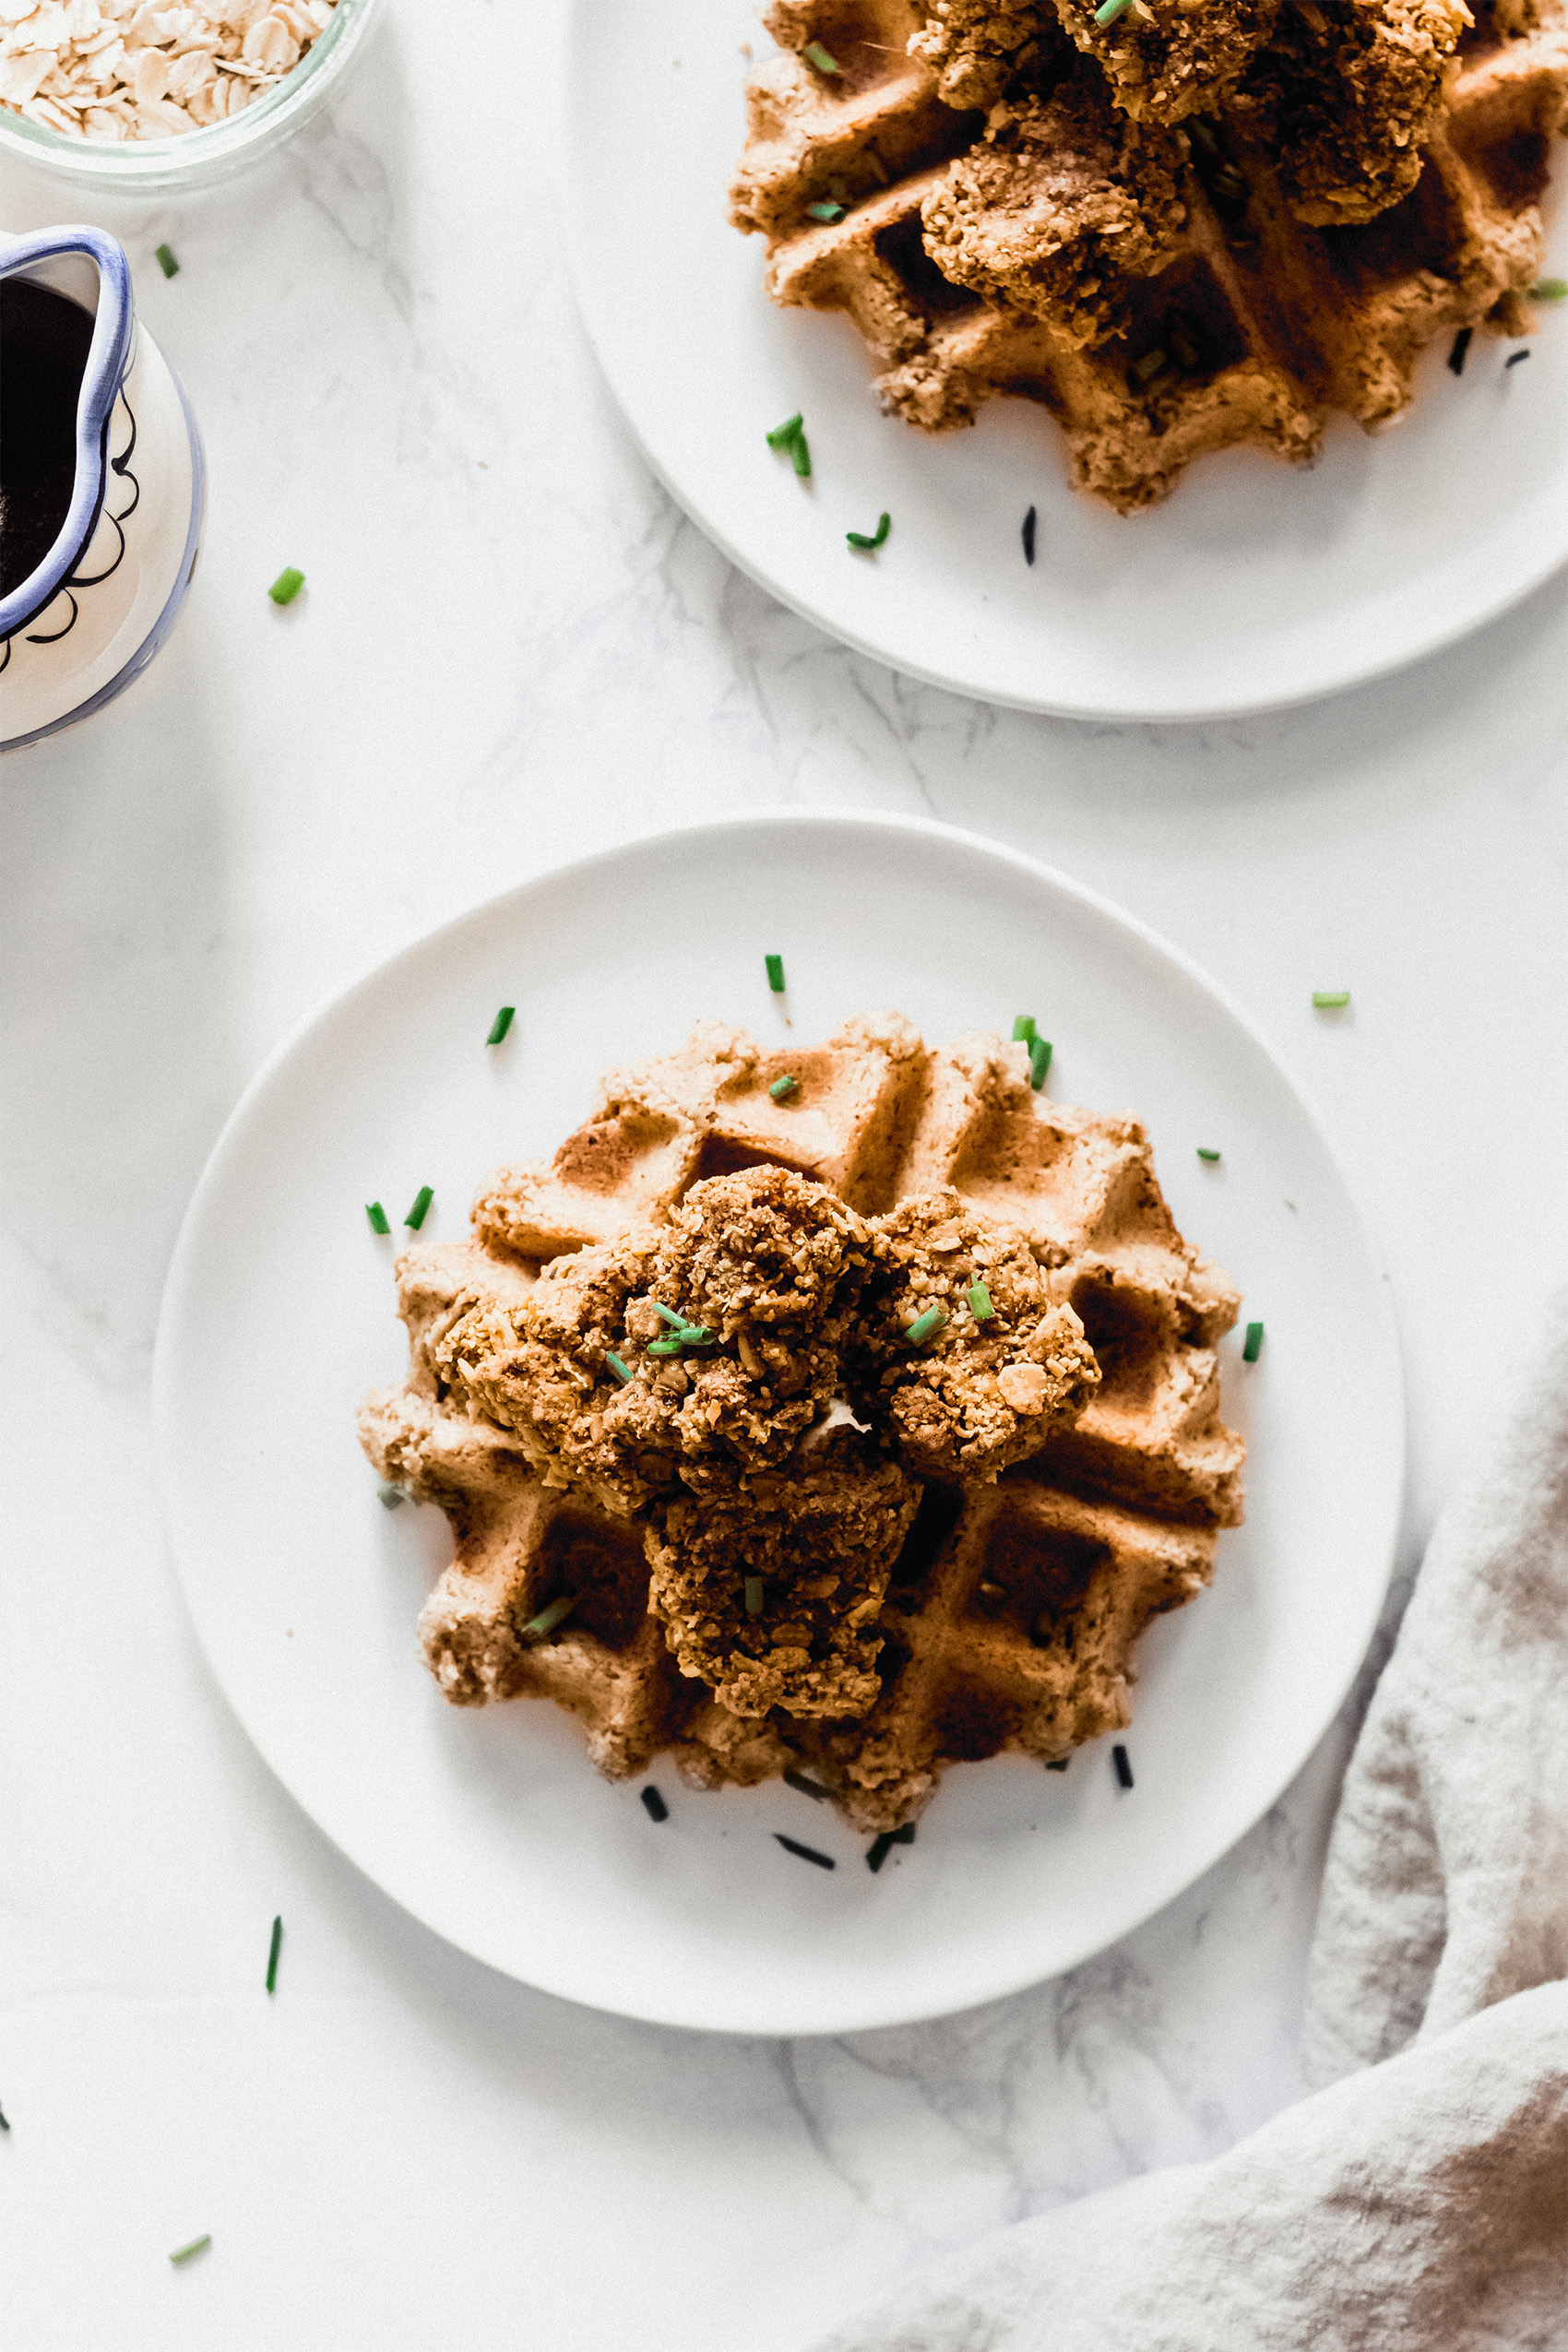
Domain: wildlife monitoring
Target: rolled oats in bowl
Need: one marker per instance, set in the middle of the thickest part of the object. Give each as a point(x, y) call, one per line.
point(130, 93)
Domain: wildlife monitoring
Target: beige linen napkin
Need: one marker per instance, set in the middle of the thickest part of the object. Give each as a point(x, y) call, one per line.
point(1420, 2203)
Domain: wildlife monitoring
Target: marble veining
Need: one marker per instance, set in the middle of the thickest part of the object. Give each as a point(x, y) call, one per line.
point(513, 649)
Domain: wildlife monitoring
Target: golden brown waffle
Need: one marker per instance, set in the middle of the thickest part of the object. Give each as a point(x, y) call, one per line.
point(1191, 228)
point(1012, 1606)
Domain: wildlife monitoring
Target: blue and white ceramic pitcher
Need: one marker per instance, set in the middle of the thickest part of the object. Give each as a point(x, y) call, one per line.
point(102, 484)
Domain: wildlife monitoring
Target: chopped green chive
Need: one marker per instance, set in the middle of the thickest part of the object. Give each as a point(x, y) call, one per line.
point(287, 585)
point(618, 1368)
point(687, 1335)
point(501, 1024)
point(1120, 1758)
point(1329, 1000)
point(1251, 1346)
point(1204, 1153)
point(923, 1325)
point(1024, 1029)
point(665, 1346)
point(653, 1805)
point(548, 1619)
point(800, 457)
point(422, 1199)
point(377, 1216)
point(871, 539)
point(775, 973)
point(817, 55)
point(1108, 12)
point(391, 1498)
point(754, 1596)
point(674, 1318)
point(880, 1847)
point(781, 1087)
point(826, 212)
point(1143, 370)
point(1039, 1061)
point(978, 1298)
point(793, 1779)
point(1549, 290)
point(782, 435)
point(197, 2246)
point(275, 1948)
point(806, 1853)
point(164, 256)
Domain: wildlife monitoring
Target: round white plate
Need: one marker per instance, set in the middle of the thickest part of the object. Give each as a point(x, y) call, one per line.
point(489, 1824)
point(1255, 584)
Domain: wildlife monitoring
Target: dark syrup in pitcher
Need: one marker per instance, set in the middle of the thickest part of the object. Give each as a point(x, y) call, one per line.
point(45, 340)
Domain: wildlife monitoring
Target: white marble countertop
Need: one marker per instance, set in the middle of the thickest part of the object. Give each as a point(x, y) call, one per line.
point(513, 650)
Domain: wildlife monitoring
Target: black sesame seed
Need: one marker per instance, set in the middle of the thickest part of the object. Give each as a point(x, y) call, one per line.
point(1461, 346)
point(1123, 1769)
point(653, 1805)
point(1029, 536)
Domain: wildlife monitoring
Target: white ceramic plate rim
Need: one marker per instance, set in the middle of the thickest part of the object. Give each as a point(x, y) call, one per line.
point(403, 1885)
point(1387, 632)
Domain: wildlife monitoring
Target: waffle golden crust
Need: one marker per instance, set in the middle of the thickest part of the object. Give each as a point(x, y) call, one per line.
point(1196, 226)
point(790, 1533)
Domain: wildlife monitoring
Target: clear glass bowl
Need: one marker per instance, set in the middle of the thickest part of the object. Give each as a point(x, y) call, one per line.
point(134, 167)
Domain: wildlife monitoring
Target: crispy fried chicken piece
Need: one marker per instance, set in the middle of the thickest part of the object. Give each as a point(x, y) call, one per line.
point(818, 1553)
point(1061, 202)
point(1345, 95)
point(974, 1393)
point(982, 49)
point(1165, 58)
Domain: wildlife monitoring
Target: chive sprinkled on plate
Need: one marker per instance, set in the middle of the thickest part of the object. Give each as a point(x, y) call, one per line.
point(978, 1298)
point(807, 1788)
point(665, 1346)
point(822, 210)
point(653, 1805)
point(391, 1498)
point(1023, 1028)
point(1457, 356)
point(1108, 12)
point(923, 1325)
point(782, 435)
point(674, 1318)
point(775, 973)
point(1123, 1768)
point(872, 540)
point(377, 1216)
point(806, 1853)
point(1513, 359)
point(754, 1596)
point(1028, 536)
point(539, 1628)
point(422, 1199)
point(164, 256)
point(618, 1369)
point(1251, 1346)
point(501, 1024)
point(1547, 290)
point(817, 55)
point(1039, 1061)
point(783, 1087)
point(800, 457)
point(287, 585)
point(1330, 1000)
point(275, 1947)
point(188, 2254)
point(1204, 1153)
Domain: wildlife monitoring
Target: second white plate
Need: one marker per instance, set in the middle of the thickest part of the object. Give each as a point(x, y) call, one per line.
point(1255, 584)
point(489, 1824)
